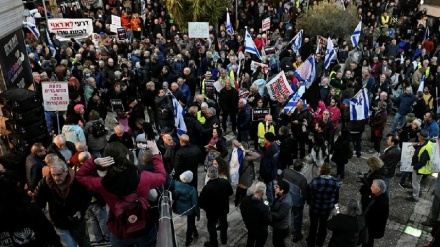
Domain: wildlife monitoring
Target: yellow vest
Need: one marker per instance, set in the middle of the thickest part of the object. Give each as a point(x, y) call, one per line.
point(262, 131)
point(200, 117)
point(385, 20)
point(428, 69)
point(427, 169)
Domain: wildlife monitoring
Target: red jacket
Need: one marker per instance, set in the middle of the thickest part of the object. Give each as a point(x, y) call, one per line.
point(258, 43)
point(147, 182)
point(125, 21)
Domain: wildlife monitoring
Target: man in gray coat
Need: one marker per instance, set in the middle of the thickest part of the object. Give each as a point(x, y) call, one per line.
point(281, 213)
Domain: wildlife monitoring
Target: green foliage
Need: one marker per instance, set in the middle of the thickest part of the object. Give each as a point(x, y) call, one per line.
point(185, 11)
point(328, 19)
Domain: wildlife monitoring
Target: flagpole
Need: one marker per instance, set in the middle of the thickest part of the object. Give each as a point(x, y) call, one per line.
point(290, 42)
point(45, 10)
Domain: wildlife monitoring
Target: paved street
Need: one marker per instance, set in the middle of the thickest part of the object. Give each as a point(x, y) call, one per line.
point(404, 227)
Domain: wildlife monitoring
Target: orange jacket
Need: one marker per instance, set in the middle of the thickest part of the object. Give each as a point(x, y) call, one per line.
point(135, 24)
point(125, 21)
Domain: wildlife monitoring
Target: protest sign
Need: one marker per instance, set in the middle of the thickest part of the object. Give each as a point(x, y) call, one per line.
point(198, 29)
point(258, 114)
point(278, 87)
point(266, 24)
point(14, 62)
point(55, 96)
point(116, 20)
point(65, 29)
point(408, 152)
point(264, 67)
point(122, 34)
point(117, 105)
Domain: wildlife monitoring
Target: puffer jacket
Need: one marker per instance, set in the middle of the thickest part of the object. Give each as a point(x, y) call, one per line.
point(73, 133)
point(185, 197)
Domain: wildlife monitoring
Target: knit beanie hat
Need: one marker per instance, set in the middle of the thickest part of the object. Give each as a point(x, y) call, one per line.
point(186, 177)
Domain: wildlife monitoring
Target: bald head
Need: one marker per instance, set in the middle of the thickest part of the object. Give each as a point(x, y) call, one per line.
point(83, 157)
point(184, 140)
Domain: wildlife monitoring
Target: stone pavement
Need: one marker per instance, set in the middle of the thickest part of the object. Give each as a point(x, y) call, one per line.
point(404, 227)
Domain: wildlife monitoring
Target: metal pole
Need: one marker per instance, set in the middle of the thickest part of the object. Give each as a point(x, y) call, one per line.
point(45, 10)
point(236, 15)
point(58, 122)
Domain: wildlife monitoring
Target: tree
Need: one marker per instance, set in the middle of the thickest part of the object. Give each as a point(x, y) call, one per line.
point(185, 11)
point(328, 19)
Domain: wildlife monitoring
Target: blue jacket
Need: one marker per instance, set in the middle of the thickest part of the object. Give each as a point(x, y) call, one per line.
point(432, 129)
point(269, 163)
point(185, 197)
point(405, 103)
point(186, 91)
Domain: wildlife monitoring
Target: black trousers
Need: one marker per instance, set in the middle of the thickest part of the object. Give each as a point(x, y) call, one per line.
point(278, 237)
point(256, 240)
point(212, 222)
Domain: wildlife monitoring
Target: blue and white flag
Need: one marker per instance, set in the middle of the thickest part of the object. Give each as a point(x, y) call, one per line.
point(34, 30)
point(359, 109)
point(297, 41)
point(356, 34)
point(330, 53)
point(178, 117)
point(291, 104)
point(51, 46)
point(426, 34)
point(422, 85)
point(249, 45)
point(306, 72)
point(229, 28)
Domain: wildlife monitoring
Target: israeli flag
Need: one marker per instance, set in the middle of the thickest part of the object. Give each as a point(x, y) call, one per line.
point(306, 72)
point(298, 41)
point(426, 34)
point(34, 30)
point(291, 104)
point(178, 117)
point(422, 85)
point(51, 46)
point(250, 45)
point(330, 53)
point(229, 28)
point(356, 34)
point(359, 105)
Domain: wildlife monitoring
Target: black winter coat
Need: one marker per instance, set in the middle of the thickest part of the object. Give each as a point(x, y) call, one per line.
point(187, 158)
point(53, 149)
point(256, 215)
point(286, 155)
point(228, 100)
point(195, 130)
point(214, 198)
point(340, 150)
point(377, 216)
point(390, 158)
point(345, 229)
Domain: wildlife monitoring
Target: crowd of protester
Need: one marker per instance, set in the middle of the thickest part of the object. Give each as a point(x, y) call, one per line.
point(84, 173)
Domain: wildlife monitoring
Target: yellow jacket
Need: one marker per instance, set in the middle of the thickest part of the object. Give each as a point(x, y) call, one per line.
point(262, 131)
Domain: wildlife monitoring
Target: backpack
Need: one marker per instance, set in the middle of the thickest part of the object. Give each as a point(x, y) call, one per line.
point(295, 193)
point(209, 89)
point(130, 217)
point(98, 129)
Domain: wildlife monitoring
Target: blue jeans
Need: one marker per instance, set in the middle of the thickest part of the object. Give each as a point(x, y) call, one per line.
point(97, 218)
point(403, 177)
point(76, 235)
point(148, 240)
point(270, 192)
point(97, 153)
point(243, 136)
point(297, 220)
point(399, 120)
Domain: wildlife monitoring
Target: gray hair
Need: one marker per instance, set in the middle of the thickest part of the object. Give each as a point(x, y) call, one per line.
point(212, 110)
point(51, 158)
point(59, 164)
point(380, 184)
point(243, 100)
point(260, 187)
point(354, 208)
point(60, 139)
